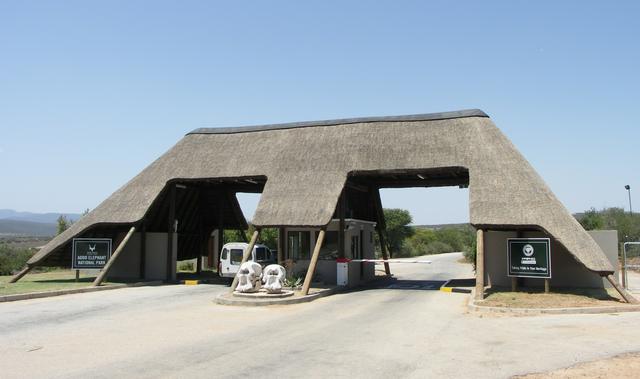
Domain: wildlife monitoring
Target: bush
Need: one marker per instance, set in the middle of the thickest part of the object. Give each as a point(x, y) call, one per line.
point(439, 247)
point(438, 241)
point(13, 259)
point(185, 266)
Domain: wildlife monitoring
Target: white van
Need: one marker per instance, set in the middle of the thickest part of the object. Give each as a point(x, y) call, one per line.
point(231, 257)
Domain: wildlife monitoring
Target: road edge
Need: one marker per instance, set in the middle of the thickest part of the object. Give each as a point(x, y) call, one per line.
point(473, 306)
point(44, 294)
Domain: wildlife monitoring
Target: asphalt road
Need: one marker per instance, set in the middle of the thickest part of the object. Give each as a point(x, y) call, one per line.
point(405, 329)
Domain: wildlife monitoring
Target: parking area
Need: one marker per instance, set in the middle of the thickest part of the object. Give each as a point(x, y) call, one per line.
point(178, 331)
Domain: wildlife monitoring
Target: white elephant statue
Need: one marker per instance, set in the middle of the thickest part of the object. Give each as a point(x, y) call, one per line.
point(273, 278)
point(249, 276)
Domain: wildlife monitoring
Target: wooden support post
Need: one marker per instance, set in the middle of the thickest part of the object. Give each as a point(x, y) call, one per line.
point(383, 249)
point(105, 270)
point(547, 284)
point(515, 280)
point(220, 232)
point(625, 295)
point(341, 225)
point(171, 229)
point(281, 241)
point(312, 264)
point(381, 227)
point(220, 242)
point(22, 273)
point(245, 256)
point(480, 265)
point(77, 276)
point(202, 240)
point(143, 250)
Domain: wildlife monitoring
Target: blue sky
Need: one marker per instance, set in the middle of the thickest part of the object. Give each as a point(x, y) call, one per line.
point(92, 92)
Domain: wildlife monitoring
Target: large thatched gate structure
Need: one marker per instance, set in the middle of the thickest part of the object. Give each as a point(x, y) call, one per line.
point(305, 171)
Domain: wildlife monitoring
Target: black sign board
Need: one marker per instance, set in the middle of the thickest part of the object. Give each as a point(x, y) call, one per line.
point(529, 257)
point(90, 253)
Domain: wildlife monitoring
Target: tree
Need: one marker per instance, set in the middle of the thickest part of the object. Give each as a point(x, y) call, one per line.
point(592, 220)
point(269, 237)
point(627, 225)
point(63, 224)
point(418, 243)
point(232, 235)
point(398, 228)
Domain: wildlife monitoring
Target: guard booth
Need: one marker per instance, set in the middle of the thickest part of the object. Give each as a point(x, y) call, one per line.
point(359, 243)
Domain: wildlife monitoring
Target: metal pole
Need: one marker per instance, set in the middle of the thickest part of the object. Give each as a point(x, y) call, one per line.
point(628, 188)
point(625, 278)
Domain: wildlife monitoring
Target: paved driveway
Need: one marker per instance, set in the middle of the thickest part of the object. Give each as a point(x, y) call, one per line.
point(177, 331)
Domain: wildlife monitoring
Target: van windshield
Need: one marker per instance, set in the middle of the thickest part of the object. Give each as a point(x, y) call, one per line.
point(236, 256)
point(261, 254)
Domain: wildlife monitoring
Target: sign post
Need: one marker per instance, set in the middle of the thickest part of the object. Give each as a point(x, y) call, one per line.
point(529, 258)
point(90, 253)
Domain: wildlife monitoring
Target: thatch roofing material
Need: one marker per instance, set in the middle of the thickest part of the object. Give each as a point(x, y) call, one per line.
point(307, 166)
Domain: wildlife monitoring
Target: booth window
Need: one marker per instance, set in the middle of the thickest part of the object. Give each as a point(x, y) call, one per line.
point(329, 249)
point(356, 252)
point(299, 245)
point(261, 254)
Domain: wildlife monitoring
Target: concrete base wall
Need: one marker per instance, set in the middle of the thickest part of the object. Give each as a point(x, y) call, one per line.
point(128, 264)
point(326, 271)
point(565, 270)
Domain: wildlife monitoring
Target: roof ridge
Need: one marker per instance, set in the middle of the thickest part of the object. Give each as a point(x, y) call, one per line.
point(305, 124)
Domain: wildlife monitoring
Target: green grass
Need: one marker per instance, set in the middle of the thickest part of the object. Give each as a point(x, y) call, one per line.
point(46, 281)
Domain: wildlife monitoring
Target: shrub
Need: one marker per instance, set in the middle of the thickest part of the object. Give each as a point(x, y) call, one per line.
point(439, 247)
point(13, 259)
point(185, 266)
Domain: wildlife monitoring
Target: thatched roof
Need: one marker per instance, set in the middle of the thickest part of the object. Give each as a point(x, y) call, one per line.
point(307, 165)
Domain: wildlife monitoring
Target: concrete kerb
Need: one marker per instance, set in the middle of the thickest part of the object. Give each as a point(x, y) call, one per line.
point(445, 288)
point(478, 307)
point(229, 299)
point(40, 295)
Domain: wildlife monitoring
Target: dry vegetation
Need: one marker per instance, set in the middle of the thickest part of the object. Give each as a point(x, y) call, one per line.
point(558, 298)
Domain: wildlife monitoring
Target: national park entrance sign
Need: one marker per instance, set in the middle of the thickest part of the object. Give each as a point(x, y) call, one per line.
point(90, 253)
point(529, 257)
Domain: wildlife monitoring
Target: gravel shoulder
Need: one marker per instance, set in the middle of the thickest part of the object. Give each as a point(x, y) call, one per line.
point(620, 366)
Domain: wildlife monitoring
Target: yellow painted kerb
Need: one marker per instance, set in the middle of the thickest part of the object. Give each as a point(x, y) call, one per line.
point(191, 282)
point(446, 289)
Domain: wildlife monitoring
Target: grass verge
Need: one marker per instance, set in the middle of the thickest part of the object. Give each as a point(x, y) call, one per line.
point(557, 298)
point(47, 281)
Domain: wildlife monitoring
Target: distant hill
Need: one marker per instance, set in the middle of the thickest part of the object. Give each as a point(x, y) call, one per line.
point(47, 218)
point(442, 226)
point(26, 228)
point(15, 223)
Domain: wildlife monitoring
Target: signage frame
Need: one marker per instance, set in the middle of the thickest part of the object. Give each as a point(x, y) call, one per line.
point(524, 240)
point(74, 265)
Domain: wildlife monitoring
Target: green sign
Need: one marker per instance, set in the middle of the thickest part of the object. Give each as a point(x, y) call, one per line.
point(529, 257)
point(90, 253)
